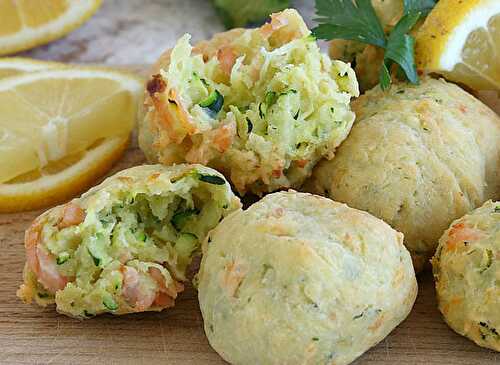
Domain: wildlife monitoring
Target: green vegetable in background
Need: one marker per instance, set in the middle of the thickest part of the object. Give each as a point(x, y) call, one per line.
point(239, 13)
point(356, 20)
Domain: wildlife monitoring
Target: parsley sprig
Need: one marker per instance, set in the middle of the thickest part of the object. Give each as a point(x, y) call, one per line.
point(356, 20)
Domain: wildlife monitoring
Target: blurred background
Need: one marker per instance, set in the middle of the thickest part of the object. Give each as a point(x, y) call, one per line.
point(128, 32)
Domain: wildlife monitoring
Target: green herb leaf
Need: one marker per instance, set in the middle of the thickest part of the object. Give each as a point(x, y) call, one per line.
point(385, 76)
point(403, 26)
point(403, 55)
point(401, 46)
point(418, 6)
point(356, 20)
point(492, 330)
point(347, 19)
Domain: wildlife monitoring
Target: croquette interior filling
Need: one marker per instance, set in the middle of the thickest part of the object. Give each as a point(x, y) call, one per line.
point(140, 231)
point(284, 95)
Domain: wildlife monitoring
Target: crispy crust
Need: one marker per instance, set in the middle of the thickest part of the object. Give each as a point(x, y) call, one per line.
point(417, 157)
point(466, 266)
point(291, 280)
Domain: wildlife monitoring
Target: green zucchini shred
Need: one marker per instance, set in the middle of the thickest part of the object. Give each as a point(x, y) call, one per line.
point(489, 261)
point(262, 113)
point(62, 258)
point(97, 260)
point(211, 179)
point(110, 303)
point(270, 98)
point(179, 219)
point(186, 244)
point(86, 313)
point(213, 103)
point(141, 236)
point(249, 126)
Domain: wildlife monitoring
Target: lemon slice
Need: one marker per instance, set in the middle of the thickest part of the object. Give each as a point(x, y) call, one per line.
point(10, 66)
point(461, 40)
point(56, 131)
point(29, 23)
point(61, 180)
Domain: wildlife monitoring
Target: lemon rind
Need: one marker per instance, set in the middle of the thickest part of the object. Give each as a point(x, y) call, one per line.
point(52, 189)
point(130, 82)
point(432, 37)
point(478, 17)
point(77, 13)
point(24, 64)
point(62, 186)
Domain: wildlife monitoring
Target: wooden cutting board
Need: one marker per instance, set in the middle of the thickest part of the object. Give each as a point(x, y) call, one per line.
point(34, 335)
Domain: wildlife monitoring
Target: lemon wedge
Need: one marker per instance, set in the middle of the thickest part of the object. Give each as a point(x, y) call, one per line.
point(60, 129)
point(10, 66)
point(61, 180)
point(28, 23)
point(461, 40)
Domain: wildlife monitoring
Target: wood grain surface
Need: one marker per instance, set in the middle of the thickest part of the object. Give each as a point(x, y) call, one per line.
point(137, 31)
